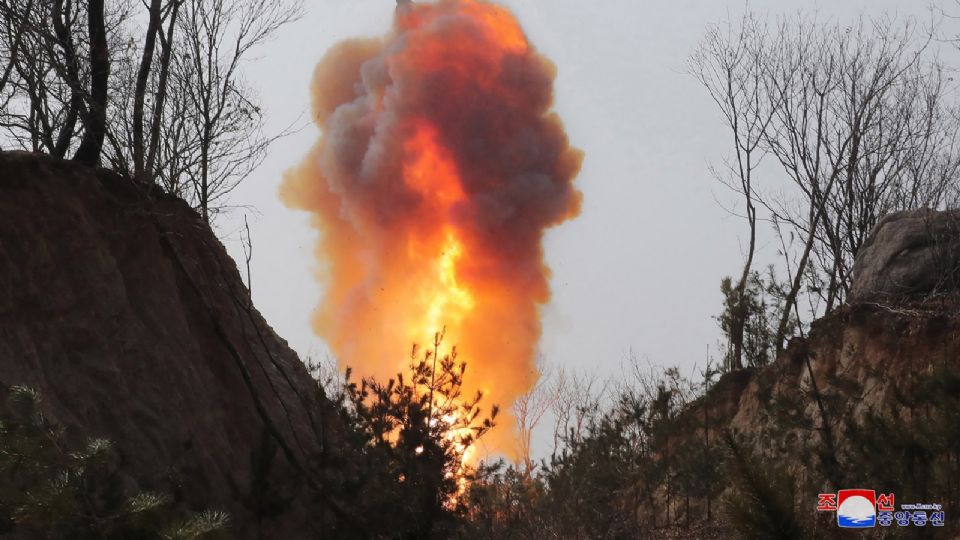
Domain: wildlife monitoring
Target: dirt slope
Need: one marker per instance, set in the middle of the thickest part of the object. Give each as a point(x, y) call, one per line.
point(124, 310)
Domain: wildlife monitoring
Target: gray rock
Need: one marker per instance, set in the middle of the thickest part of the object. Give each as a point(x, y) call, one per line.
point(914, 253)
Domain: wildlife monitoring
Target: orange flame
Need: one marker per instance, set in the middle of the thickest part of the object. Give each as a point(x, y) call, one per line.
point(439, 169)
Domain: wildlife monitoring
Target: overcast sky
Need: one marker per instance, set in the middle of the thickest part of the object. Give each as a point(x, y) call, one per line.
point(640, 268)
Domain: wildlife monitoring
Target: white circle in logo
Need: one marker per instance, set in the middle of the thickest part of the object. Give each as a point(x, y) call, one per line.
point(856, 508)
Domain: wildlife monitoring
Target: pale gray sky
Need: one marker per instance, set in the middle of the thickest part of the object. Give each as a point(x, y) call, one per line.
point(640, 268)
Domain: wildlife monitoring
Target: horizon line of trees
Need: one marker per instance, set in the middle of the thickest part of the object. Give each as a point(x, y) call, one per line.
point(152, 89)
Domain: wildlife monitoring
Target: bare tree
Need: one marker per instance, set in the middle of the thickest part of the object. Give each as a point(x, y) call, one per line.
point(859, 120)
point(140, 75)
point(166, 104)
point(42, 88)
point(529, 410)
point(64, 19)
point(95, 114)
point(160, 13)
point(247, 241)
point(578, 398)
point(730, 64)
point(227, 124)
point(14, 34)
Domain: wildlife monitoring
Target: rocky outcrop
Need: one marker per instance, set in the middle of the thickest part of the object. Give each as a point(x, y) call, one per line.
point(856, 359)
point(834, 410)
point(868, 396)
point(121, 307)
point(909, 254)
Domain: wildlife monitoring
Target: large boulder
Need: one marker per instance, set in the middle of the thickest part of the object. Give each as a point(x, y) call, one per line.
point(909, 254)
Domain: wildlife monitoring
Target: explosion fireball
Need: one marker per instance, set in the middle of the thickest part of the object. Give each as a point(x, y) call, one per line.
point(439, 168)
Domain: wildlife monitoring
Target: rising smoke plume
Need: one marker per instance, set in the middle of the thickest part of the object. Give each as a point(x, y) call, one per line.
point(439, 168)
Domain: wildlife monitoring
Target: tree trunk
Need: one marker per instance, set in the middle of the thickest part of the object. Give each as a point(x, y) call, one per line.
point(817, 211)
point(706, 448)
point(741, 311)
point(166, 48)
point(62, 27)
point(791, 298)
point(95, 123)
point(143, 75)
point(205, 194)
